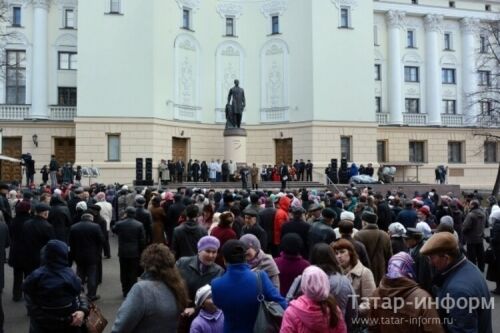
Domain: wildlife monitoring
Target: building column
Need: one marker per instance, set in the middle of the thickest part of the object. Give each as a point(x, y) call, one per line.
point(434, 83)
point(469, 27)
point(395, 23)
point(39, 87)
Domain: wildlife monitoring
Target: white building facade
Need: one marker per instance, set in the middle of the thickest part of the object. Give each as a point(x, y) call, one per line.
point(153, 78)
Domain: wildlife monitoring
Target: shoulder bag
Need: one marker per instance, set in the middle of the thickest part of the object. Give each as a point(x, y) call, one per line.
point(95, 321)
point(270, 313)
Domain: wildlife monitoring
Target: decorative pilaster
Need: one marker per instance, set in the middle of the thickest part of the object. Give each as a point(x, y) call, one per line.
point(39, 97)
point(470, 28)
point(395, 24)
point(433, 84)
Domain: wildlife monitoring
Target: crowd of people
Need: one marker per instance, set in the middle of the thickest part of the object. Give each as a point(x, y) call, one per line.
point(201, 260)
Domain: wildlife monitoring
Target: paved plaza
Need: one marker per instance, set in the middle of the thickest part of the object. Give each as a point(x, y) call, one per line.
point(16, 320)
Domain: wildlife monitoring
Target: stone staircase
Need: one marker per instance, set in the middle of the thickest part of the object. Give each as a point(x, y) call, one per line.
point(268, 185)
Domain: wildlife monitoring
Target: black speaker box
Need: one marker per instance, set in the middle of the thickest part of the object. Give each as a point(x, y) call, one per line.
point(149, 169)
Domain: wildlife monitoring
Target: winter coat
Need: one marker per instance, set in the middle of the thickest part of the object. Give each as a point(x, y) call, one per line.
point(106, 213)
point(405, 319)
point(378, 247)
point(172, 220)
point(86, 241)
point(52, 291)
point(223, 234)
point(144, 216)
point(464, 280)
point(240, 305)
point(363, 284)
point(158, 215)
point(384, 215)
point(320, 232)
point(150, 307)
point(493, 273)
point(60, 218)
point(4, 243)
point(280, 218)
point(189, 267)
point(422, 267)
point(17, 251)
point(301, 228)
point(266, 218)
point(398, 244)
point(473, 227)
point(407, 217)
point(37, 232)
point(185, 239)
point(206, 322)
point(289, 267)
point(131, 239)
point(306, 316)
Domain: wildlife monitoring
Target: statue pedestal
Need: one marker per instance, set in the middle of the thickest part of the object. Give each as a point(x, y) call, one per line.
point(235, 145)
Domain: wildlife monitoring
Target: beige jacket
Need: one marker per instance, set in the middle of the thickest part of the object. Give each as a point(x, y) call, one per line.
point(363, 284)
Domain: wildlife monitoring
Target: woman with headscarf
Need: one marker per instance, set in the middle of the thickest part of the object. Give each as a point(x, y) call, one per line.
point(259, 260)
point(155, 302)
point(316, 310)
point(403, 305)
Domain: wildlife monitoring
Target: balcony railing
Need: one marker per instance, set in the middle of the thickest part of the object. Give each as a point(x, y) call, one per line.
point(415, 119)
point(274, 115)
point(382, 118)
point(14, 112)
point(452, 120)
point(62, 113)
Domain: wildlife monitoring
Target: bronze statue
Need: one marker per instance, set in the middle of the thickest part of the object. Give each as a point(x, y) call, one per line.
point(235, 106)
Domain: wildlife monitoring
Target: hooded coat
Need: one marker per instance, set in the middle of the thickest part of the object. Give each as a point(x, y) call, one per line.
point(186, 237)
point(53, 291)
point(280, 218)
point(305, 316)
point(409, 318)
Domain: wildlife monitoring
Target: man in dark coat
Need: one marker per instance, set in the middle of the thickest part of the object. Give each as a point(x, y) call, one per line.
point(300, 227)
point(4, 203)
point(266, 218)
point(131, 242)
point(309, 171)
point(472, 231)
point(37, 232)
point(144, 216)
point(384, 214)
point(195, 170)
point(252, 227)
point(458, 280)
point(53, 168)
point(407, 216)
point(225, 171)
point(179, 170)
point(321, 231)
point(187, 235)
point(75, 197)
point(86, 241)
point(284, 175)
point(173, 214)
point(60, 218)
point(414, 240)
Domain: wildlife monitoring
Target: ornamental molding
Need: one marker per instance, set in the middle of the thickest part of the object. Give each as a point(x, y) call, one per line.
point(43, 4)
point(231, 9)
point(191, 4)
point(396, 19)
point(345, 3)
point(64, 3)
point(433, 23)
point(470, 25)
point(272, 7)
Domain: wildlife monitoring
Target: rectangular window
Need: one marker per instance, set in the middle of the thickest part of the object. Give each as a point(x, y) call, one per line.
point(69, 18)
point(113, 147)
point(378, 75)
point(486, 107)
point(114, 6)
point(378, 104)
point(483, 44)
point(16, 77)
point(66, 96)
point(412, 105)
point(275, 24)
point(448, 75)
point(455, 152)
point(229, 26)
point(381, 151)
point(452, 4)
point(414, 2)
point(411, 74)
point(16, 16)
point(447, 41)
point(490, 152)
point(68, 60)
point(484, 78)
point(410, 39)
point(186, 18)
point(449, 106)
point(344, 17)
point(417, 151)
point(345, 148)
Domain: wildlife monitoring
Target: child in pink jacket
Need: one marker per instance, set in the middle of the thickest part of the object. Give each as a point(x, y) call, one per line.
point(316, 310)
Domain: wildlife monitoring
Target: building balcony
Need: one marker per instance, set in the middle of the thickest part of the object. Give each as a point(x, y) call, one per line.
point(274, 115)
point(382, 118)
point(23, 111)
point(415, 119)
point(452, 120)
